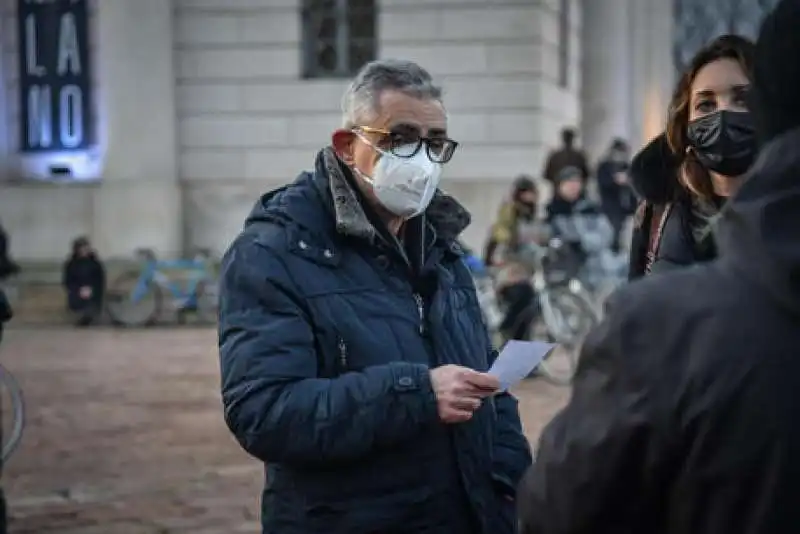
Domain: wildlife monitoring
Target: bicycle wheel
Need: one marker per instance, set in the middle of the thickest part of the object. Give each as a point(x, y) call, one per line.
point(12, 433)
point(207, 301)
point(568, 320)
point(124, 311)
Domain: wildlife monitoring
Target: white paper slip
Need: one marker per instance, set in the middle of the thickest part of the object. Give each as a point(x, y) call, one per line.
point(517, 360)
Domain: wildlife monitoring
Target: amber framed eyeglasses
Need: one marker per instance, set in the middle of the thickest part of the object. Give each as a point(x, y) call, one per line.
point(407, 142)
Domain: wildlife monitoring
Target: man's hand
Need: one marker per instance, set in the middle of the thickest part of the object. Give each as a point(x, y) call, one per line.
point(621, 178)
point(86, 292)
point(460, 391)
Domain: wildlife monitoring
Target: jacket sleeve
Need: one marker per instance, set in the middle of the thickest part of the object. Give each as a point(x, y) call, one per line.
point(5, 308)
point(603, 457)
point(502, 230)
point(275, 404)
point(67, 278)
point(605, 178)
point(549, 171)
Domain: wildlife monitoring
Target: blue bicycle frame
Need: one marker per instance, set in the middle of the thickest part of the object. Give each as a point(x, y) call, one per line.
point(153, 273)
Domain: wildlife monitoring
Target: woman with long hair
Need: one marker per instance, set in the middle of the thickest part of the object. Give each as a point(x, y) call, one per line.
point(686, 174)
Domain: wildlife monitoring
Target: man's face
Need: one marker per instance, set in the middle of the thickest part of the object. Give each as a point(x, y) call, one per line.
point(402, 119)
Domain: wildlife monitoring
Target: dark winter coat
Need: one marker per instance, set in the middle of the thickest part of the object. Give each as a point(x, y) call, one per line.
point(328, 329)
point(679, 224)
point(83, 271)
point(5, 312)
point(618, 201)
point(683, 418)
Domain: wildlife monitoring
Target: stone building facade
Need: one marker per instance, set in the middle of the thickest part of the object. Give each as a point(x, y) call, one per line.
point(202, 105)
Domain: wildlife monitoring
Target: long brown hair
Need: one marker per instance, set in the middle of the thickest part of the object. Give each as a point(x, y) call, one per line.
point(692, 175)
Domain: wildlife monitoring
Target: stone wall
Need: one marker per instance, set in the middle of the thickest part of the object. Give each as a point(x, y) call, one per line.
point(243, 121)
point(248, 122)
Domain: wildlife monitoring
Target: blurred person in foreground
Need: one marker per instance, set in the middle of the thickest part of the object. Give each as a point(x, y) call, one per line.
point(686, 175)
point(84, 279)
point(352, 345)
point(5, 316)
point(683, 417)
point(566, 156)
point(517, 227)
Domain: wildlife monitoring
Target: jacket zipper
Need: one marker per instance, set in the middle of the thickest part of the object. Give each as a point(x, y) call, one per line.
point(342, 354)
point(420, 311)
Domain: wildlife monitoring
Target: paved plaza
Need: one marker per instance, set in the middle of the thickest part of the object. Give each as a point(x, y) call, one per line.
point(125, 435)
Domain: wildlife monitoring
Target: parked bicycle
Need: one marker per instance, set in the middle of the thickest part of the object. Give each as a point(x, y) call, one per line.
point(137, 298)
point(12, 413)
point(563, 311)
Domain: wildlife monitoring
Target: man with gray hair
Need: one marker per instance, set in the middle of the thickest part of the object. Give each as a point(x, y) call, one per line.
point(352, 347)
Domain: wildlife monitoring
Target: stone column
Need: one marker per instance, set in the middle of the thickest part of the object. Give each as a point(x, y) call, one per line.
point(5, 134)
point(139, 201)
point(606, 91)
point(653, 74)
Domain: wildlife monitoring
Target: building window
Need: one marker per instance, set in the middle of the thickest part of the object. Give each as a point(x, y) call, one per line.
point(339, 37)
point(563, 43)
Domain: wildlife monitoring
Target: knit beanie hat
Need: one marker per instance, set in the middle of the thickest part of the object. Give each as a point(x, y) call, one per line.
point(776, 77)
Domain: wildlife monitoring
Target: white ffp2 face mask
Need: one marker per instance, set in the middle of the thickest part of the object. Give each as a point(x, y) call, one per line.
point(405, 186)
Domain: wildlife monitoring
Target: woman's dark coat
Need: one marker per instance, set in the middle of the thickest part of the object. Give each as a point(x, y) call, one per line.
point(685, 231)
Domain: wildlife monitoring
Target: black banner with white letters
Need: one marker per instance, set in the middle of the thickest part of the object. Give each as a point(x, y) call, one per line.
point(55, 75)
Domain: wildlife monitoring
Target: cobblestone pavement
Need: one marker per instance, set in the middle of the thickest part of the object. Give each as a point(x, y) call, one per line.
point(125, 435)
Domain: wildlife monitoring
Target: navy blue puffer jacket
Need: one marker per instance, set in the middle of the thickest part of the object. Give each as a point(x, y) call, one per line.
point(326, 341)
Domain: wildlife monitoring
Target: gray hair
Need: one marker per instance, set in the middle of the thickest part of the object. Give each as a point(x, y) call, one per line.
point(361, 101)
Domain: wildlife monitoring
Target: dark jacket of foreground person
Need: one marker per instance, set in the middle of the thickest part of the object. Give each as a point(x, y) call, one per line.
point(684, 412)
point(325, 369)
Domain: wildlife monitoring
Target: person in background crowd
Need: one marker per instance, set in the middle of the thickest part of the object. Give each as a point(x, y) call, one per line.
point(518, 226)
point(8, 267)
point(352, 345)
point(566, 156)
point(579, 223)
point(683, 417)
point(616, 196)
point(84, 280)
point(686, 175)
point(5, 316)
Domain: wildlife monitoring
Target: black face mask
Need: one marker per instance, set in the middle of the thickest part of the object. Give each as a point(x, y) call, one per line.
point(724, 141)
point(526, 210)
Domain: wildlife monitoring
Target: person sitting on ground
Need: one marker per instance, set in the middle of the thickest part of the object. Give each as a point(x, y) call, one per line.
point(8, 267)
point(84, 279)
point(517, 227)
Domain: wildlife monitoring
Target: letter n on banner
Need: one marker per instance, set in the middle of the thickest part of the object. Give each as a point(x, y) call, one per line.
point(55, 76)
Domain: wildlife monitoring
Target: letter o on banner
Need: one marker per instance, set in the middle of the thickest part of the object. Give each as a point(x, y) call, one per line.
point(71, 119)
